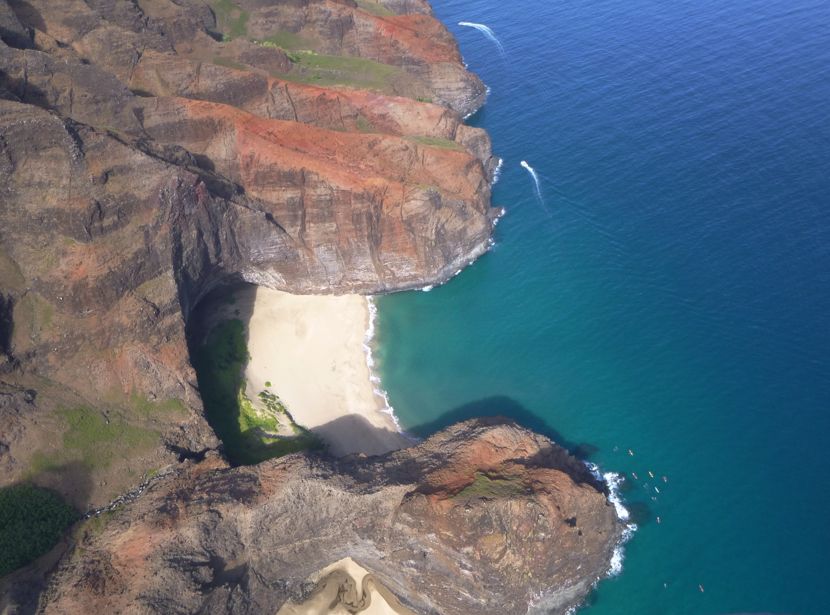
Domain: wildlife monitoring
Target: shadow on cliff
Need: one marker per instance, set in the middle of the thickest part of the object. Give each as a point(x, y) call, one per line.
point(217, 342)
point(72, 480)
point(353, 431)
point(6, 328)
point(231, 301)
point(501, 405)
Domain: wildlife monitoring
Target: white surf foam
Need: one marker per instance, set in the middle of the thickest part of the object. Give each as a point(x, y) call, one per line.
point(370, 363)
point(497, 172)
point(614, 480)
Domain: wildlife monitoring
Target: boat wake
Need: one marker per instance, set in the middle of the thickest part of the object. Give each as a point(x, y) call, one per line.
point(536, 185)
point(486, 31)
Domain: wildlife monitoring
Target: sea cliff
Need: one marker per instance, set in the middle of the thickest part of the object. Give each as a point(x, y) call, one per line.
point(154, 151)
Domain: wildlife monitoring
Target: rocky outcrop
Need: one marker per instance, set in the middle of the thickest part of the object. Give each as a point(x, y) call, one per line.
point(484, 517)
point(153, 151)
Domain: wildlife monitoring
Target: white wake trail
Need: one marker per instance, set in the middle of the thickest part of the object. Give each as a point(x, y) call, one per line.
point(536, 185)
point(486, 31)
point(535, 177)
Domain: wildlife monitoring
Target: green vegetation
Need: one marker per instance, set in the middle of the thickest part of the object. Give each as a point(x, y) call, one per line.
point(32, 521)
point(319, 69)
point(42, 462)
point(249, 435)
point(232, 20)
point(285, 40)
point(148, 409)
point(438, 142)
point(485, 487)
point(375, 8)
point(95, 440)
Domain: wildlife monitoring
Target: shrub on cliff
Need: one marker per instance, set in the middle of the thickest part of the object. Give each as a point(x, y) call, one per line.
point(31, 522)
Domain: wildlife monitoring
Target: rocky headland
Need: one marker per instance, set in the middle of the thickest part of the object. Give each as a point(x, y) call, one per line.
point(484, 517)
point(154, 151)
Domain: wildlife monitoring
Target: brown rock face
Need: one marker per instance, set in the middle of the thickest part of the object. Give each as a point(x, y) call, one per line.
point(484, 517)
point(152, 151)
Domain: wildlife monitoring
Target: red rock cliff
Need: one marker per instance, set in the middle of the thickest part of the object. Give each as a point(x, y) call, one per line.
point(153, 150)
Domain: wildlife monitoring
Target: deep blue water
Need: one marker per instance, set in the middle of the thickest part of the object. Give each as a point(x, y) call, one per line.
point(671, 294)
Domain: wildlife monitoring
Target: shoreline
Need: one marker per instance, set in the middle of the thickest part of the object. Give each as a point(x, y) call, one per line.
point(315, 353)
point(368, 351)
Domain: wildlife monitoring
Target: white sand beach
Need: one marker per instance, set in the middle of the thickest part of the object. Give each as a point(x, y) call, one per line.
point(309, 349)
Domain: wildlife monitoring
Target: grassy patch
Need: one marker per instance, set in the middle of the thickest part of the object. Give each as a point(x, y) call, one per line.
point(249, 436)
point(438, 142)
point(231, 20)
point(320, 69)
point(42, 462)
point(375, 8)
point(32, 521)
point(148, 409)
point(285, 40)
point(485, 487)
point(97, 440)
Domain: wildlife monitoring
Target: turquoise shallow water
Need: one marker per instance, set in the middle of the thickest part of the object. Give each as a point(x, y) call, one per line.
point(670, 293)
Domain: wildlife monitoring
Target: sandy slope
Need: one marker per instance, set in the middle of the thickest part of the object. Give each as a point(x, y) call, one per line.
point(346, 587)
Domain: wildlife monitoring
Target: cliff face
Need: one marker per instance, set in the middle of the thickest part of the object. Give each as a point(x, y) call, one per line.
point(154, 150)
point(483, 517)
point(151, 151)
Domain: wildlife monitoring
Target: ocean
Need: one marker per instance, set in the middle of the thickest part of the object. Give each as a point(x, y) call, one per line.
point(667, 290)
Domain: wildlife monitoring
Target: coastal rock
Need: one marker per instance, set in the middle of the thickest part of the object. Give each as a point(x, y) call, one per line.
point(152, 152)
point(484, 517)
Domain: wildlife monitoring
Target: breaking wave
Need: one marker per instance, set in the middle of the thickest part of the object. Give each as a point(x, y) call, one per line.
point(614, 480)
point(377, 388)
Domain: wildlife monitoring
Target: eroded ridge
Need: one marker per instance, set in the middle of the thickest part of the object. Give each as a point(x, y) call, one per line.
point(153, 151)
